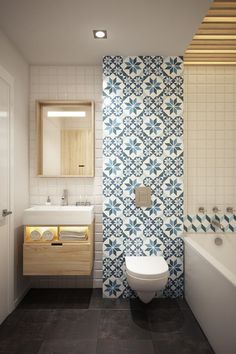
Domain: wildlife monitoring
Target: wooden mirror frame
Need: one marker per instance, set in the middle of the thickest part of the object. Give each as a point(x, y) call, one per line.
point(39, 138)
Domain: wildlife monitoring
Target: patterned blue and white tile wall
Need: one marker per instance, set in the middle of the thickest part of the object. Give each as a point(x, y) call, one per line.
point(142, 145)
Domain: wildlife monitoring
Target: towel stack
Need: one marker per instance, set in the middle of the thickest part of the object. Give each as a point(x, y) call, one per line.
point(72, 235)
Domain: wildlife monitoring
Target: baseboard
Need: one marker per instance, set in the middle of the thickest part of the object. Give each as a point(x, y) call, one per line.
point(20, 297)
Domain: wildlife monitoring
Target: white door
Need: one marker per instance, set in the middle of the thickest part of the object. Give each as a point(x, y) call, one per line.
point(5, 196)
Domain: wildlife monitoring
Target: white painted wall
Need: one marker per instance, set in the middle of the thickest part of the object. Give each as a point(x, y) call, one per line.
point(69, 83)
point(14, 63)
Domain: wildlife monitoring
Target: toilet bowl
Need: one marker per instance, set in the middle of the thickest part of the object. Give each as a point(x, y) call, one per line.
point(147, 275)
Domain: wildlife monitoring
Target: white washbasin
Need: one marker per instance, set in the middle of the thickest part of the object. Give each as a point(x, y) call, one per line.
point(58, 215)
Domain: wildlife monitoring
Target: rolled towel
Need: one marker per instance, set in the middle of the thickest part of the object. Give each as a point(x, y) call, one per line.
point(48, 235)
point(35, 235)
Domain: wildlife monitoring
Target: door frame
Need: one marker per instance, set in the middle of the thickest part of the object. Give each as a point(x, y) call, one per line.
point(10, 81)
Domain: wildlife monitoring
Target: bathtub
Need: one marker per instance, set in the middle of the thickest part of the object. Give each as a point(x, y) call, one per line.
point(210, 287)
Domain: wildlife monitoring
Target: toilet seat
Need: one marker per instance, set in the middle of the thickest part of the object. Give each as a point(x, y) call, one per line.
point(146, 267)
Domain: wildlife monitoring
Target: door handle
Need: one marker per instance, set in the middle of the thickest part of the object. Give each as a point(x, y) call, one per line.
point(6, 212)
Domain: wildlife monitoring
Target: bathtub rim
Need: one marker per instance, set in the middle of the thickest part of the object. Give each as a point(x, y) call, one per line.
point(188, 238)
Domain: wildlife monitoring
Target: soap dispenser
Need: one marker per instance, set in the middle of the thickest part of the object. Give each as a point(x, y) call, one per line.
point(48, 202)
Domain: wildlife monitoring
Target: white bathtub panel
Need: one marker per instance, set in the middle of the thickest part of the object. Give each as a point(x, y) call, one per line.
point(225, 254)
point(212, 299)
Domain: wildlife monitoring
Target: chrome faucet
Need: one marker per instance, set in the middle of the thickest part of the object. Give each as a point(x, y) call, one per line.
point(64, 198)
point(217, 224)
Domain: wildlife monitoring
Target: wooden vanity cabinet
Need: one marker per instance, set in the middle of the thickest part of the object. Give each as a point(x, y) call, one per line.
point(58, 257)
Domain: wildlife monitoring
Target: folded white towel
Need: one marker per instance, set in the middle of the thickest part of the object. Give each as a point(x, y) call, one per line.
point(72, 235)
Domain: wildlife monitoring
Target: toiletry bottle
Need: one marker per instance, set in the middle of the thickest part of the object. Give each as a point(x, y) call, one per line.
point(48, 202)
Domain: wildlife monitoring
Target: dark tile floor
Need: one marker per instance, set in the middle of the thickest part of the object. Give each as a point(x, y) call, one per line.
point(80, 321)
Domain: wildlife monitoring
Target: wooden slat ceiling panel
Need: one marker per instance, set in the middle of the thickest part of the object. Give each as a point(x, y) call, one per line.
point(215, 40)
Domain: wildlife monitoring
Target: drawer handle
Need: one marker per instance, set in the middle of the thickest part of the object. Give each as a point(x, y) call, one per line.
point(57, 244)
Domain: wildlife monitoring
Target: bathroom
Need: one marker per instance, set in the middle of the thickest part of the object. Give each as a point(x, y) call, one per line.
point(161, 181)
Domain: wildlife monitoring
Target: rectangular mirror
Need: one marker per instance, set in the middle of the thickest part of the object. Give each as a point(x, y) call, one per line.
point(65, 138)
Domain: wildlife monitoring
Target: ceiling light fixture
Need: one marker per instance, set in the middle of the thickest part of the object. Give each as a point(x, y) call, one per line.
point(64, 114)
point(100, 34)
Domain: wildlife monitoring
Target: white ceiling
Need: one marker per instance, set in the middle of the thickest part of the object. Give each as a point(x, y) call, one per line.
point(60, 31)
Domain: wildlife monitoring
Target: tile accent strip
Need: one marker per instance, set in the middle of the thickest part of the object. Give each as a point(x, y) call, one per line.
point(202, 223)
point(142, 145)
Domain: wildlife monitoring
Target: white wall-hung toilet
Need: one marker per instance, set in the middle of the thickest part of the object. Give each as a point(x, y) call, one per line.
point(147, 275)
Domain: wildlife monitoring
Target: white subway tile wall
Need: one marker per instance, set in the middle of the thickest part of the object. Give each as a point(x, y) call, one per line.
point(69, 83)
point(210, 137)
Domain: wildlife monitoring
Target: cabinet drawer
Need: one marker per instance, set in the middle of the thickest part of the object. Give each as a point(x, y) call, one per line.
point(58, 259)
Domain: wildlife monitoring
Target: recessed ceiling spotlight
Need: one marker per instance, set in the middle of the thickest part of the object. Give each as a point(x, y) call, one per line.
point(100, 34)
